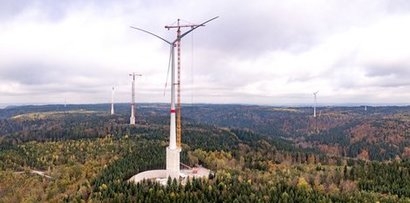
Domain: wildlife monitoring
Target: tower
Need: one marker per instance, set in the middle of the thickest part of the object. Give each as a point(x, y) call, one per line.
point(112, 101)
point(172, 151)
point(132, 118)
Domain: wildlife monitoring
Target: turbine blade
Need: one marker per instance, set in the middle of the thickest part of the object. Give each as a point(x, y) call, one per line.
point(169, 66)
point(148, 32)
point(202, 24)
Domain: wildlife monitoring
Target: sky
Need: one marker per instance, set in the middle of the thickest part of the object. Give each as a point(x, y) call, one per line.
point(257, 52)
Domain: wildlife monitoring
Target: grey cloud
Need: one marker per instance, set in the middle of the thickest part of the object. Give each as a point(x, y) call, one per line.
point(54, 11)
point(393, 83)
point(389, 75)
point(242, 36)
point(377, 77)
point(397, 6)
point(248, 31)
point(35, 73)
point(9, 9)
point(399, 69)
point(30, 73)
point(301, 78)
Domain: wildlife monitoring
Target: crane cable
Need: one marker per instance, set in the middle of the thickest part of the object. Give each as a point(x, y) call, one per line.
point(192, 69)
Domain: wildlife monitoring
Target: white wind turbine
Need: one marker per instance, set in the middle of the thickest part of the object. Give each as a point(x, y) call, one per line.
point(112, 100)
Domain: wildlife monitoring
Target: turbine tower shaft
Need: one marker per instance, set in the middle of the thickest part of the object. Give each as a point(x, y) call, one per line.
point(132, 118)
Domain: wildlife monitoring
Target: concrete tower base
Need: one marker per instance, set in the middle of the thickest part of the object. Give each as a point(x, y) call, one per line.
point(173, 168)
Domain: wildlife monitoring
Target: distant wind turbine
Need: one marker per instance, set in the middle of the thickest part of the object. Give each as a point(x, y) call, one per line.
point(113, 88)
point(315, 104)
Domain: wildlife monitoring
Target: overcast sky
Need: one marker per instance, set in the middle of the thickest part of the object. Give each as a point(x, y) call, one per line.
point(257, 52)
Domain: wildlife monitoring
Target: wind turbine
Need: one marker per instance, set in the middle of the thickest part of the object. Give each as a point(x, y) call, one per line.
point(315, 104)
point(173, 150)
point(132, 118)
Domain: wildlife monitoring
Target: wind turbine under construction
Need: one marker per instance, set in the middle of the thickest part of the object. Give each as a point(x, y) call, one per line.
point(174, 148)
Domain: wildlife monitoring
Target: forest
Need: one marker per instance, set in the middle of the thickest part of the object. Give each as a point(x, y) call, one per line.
point(81, 153)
